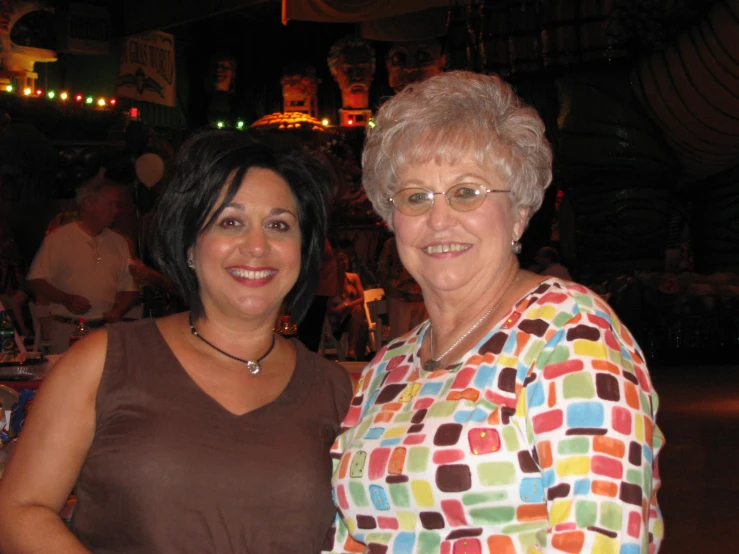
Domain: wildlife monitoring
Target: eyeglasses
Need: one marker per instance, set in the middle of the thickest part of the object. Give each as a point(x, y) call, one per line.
point(463, 197)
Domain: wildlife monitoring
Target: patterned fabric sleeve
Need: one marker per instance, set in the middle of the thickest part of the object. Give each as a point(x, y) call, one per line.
point(589, 413)
point(338, 540)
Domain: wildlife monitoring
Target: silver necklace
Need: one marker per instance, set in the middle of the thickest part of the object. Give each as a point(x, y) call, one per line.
point(435, 362)
point(252, 366)
point(96, 251)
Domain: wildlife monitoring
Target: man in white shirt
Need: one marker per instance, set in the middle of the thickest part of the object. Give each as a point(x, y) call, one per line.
point(82, 268)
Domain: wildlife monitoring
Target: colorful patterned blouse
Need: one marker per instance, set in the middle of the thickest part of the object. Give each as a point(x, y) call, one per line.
point(542, 438)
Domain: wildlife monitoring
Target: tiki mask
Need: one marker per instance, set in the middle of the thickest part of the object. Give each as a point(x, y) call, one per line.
point(352, 64)
point(300, 91)
point(222, 74)
point(409, 62)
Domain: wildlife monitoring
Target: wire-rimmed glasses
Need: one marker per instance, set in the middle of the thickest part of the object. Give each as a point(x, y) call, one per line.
point(463, 197)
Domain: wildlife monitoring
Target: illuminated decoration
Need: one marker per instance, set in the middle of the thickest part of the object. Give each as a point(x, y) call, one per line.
point(288, 121)
point(78, 97)
point(325, 122)
point(51, 94)
point(64, 96)
point(239, 124)
point(371, 123)
point(89, 100)
point(354, 118)
point(413, 61)
point(220, 84)
point(17, 62)
point(134, 113)
point(39, 92)
point(101, 102)
point(300, 90)
point(27, 91)
point(8, 88)
point(222, 73)
point(112, 101)
point(352, 64)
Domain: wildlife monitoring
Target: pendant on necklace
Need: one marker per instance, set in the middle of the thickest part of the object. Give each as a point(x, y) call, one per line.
point(253, 367)
point(431, 365)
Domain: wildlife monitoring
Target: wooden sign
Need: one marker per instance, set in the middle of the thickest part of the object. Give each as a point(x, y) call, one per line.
point(147, 69)
point(83, 29)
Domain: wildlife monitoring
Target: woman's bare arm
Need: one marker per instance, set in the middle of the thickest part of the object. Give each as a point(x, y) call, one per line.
point(50, 452)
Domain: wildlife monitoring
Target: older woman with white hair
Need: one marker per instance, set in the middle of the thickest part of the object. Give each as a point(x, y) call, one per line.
point(520, 417)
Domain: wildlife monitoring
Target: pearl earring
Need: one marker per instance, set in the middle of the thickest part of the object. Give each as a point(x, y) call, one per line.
point(516, 246)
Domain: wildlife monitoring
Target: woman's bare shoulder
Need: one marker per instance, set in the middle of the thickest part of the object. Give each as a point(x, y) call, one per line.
point(82, 365)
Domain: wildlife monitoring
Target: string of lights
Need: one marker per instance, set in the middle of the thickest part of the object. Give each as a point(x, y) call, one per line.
point(64, 96)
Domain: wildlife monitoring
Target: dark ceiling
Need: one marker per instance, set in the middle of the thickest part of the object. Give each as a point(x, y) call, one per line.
point(172, 15)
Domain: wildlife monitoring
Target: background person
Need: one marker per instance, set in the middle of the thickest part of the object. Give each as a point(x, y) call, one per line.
point(357, 265)
point(403, 296)
point(520, 417)
point(311, 326)
point(546, 262)
point(346, 310)
point(204, 431)
point(81, 269)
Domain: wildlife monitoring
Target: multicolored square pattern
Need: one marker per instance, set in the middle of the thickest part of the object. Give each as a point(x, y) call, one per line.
point(542, 438)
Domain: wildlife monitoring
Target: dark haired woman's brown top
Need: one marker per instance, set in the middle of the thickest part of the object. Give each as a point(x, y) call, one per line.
point(171, 470)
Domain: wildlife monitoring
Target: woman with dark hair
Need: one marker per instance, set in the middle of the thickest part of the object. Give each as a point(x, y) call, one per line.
point(203, 431)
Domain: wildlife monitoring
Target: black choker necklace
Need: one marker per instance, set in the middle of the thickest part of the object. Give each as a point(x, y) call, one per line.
point(252, 366)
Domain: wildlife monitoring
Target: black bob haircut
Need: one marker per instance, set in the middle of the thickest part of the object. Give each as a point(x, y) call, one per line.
point(214, 161)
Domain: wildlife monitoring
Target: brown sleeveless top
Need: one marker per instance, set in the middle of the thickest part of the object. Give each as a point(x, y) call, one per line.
point(171, 470)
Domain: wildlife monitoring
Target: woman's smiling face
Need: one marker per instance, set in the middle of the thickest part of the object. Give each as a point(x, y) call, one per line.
point(249, 258)
point(447, 250)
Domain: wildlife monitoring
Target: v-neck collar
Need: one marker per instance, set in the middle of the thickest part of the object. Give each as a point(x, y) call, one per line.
point(293, 393)
point(461, 361)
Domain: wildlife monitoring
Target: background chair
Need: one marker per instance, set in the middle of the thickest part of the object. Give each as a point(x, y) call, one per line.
point(374, 307)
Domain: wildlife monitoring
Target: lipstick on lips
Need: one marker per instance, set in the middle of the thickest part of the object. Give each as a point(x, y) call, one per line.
point(253, 276)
